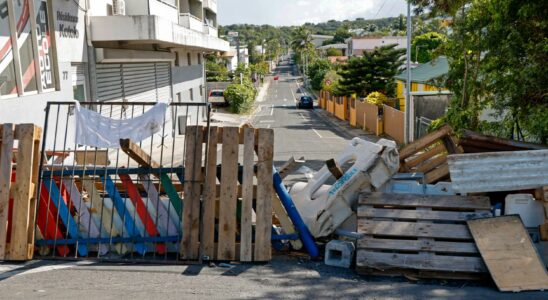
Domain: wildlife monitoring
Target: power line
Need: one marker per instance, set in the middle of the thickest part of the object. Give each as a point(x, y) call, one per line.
point(382, 6)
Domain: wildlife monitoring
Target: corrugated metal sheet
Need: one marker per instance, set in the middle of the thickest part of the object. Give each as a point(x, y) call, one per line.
point(498, 171)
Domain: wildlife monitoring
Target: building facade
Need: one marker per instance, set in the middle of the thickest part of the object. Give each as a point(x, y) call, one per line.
point(102, 51)
point(358, 45)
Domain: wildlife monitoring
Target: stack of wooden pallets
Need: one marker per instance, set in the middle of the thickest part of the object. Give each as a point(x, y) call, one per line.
point(418, 235)
point(18, 181)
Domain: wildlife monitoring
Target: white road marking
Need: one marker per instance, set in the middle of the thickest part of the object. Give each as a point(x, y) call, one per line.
point(272, 110)
point(285, 99)
point(302, 116)
point(267, 121)
point(268, 126)
point(316, 132)
point(14, 272)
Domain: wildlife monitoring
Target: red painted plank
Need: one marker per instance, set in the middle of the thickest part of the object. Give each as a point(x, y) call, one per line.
point(49, 216)
point(142, 211)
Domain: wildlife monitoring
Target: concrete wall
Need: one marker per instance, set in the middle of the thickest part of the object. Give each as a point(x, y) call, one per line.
point(431, 107)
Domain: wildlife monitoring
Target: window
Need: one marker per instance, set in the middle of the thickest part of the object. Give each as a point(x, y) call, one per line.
point(189, 59)
point(26, 57)
point(191, 94)
point(199, 58)
point(201, 90)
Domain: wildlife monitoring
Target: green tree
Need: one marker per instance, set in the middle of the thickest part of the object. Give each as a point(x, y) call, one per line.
point(371, 73)
point(317, 71)
point(331, 81)
point(426, 46)
point(341, 35)
point(497, 53)
point(333, 52)
point(215, 69)
point(240, 97)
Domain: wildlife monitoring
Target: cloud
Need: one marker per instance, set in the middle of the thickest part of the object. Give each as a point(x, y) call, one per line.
point(296, 12)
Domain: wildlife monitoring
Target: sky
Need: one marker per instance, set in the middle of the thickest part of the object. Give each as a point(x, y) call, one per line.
point(297, 12)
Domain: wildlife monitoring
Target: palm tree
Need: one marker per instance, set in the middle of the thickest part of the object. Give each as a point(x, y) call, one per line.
point(302, 39)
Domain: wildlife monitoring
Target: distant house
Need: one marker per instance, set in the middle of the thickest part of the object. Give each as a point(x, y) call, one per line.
point(357, 45)
point(318, 39)
point(422, 78)
point(231, 58)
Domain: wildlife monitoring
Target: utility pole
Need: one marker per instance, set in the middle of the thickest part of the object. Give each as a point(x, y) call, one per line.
point(407, 137)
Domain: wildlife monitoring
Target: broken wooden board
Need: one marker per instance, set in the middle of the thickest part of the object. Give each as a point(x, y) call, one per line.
point(509, 254)
point(412, 235)
point(428, 155)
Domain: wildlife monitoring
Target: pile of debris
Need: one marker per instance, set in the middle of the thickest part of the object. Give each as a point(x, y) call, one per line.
point(443, 207)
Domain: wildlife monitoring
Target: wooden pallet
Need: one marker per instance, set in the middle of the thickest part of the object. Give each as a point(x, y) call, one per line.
point(419, 236)
point(20, 215)
point(211, 226)
point(428, 155)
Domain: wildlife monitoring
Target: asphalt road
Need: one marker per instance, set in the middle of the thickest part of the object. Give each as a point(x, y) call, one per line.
point(297, 133)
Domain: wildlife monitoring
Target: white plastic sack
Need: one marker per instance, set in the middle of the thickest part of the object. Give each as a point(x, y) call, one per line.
point(96, 130)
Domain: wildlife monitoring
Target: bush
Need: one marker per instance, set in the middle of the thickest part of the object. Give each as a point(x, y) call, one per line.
point(376, 98)
point(240, 97)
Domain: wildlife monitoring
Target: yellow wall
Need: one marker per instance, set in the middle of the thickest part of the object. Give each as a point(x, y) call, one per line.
point(414, 88)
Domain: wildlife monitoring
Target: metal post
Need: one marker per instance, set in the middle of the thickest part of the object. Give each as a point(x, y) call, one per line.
point(408, 84)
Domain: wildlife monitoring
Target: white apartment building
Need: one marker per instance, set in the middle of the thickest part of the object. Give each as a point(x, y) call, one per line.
point(357, 45)
point(102, 50)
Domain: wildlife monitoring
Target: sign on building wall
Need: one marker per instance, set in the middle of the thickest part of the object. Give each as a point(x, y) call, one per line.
point(69, 22)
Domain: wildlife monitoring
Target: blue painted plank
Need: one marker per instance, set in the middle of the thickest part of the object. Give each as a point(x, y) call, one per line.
point(64, 213)
point(120, 206)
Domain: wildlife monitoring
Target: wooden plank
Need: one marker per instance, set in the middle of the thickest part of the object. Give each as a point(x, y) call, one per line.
point(407, 214)
point(433, 201)
point(22, 193)
point(432, 164)
point(437, 174)
point(264, 195)
point(387, 261)
point(6, 157)
point(424, 142)
point(228, 199)
point(107, 216)
point(246, 237)
point(137, 154)
point(414, 230)
point(415, 161)
point(83, 216)
point(127, 218)
point(64, 214)
point(33, 201)
point(334, 168)
point(509, 254)
point(190, 244)
point(46, 221)
point(210, 197)
point(285, 221)
point(381, 244)
point(167, 221)
point(142, 210)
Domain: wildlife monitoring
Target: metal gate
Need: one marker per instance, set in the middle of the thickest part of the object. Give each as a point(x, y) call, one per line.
point(114, 204)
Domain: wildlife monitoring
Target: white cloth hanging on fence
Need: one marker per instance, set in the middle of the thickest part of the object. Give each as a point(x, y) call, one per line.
point(96, 130)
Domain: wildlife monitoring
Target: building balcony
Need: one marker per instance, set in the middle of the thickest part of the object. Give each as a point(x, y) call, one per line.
point(191, 22)
point(211, 5)
point(210, 30)
point(111, 31)
point(166, 9)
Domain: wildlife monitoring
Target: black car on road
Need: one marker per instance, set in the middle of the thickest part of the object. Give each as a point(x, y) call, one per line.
point(305, 102)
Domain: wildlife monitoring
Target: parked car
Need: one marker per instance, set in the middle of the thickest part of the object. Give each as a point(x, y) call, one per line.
point(217, 98)
point(305, 102)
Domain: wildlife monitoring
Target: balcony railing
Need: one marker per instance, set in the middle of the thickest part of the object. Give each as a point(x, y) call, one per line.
point(210, 30)
point(191, 22)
